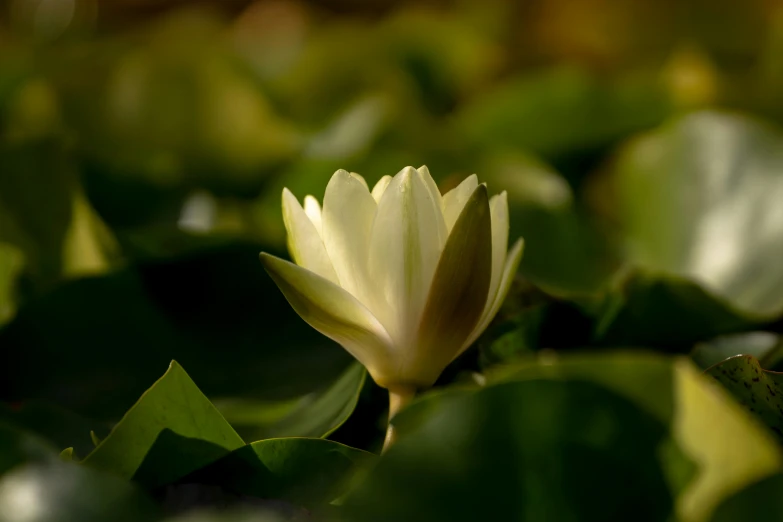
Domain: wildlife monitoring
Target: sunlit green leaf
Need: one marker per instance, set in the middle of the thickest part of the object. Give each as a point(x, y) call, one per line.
point(760, 391)
point(699, 199)
point(314, 415)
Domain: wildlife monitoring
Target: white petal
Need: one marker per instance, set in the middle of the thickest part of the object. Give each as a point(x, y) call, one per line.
point(361, 180)
point(498, 207)
point(455, 199)
point(404, 250)
point(455, 303)
point(304, 242)
point(333, 312)
point(509, 272)
point(348, 215)
point(380, 187)
point(432, 187)
point(313, 210)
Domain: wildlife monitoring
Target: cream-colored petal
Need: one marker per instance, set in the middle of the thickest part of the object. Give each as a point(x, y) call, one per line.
point(304, 242)
point(455, 199)
point(380, 188)
point(347, 221)
point(333, 312)
point(313, 210)
point(404, 250)
point(455, 303)
point(509, 272)
point(361, 180)
point(498, 207)
point(432, 187)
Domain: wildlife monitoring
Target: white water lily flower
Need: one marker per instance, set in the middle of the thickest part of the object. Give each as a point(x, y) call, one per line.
point(403, 278)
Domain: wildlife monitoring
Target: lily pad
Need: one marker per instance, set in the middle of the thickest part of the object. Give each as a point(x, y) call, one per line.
point(19, 447)
point(760, 391)
point(728, 447)
point(214, 310)
point(667, 312)
point(171, 431)
point(60, 427)
point(699, 198)
point(517, 451)
point(759, 501)
point(304, 471)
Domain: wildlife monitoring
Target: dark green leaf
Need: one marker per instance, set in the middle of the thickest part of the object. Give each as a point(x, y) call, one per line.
point(60, 427)
point(519, 451)
point(728, 447)
point(214, 310)
point(172, 430)
point(304, 471)
point(759, 501)
point(20, 447)
point(670, 313)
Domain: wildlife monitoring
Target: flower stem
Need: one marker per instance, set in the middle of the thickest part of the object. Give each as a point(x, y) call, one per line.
point(398, 398)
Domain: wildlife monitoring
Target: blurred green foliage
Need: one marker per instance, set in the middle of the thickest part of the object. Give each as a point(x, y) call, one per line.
point(143, 150)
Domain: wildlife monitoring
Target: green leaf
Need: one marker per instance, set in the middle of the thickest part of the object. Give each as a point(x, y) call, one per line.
point(758, 390)
point(60, 427)
point(729, 448)
point(59, 234)
point(560, 111)
point(232, 515)
point(11, 263)
point(314, 415)
point(699, 199)
point(214, 310)
point(764, 346)
point(172, 430)
point(519, 451)
point(759, 501)
point(566, 253)
point(20, 447)
point(304, 471)
point(67, 492)
point(662, 311)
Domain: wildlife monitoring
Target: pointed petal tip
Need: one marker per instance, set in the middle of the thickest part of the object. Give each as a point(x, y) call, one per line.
point(407, 171)
point(516, 250)
point(264, 258)
point(481, 192)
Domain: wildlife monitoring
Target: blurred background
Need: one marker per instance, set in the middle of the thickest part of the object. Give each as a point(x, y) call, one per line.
point(144, 145)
